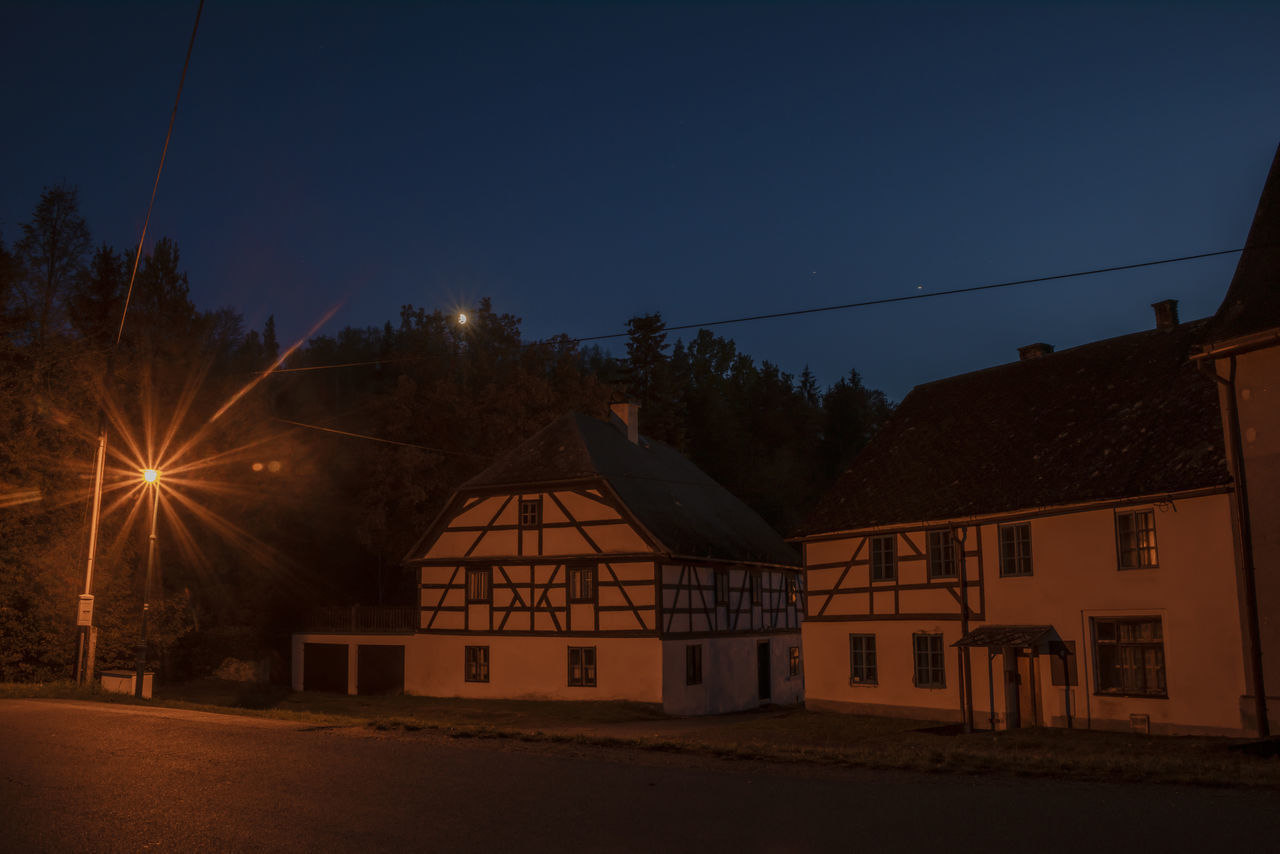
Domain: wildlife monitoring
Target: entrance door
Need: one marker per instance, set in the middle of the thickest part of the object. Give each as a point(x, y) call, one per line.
point(763, 675)
point(1012, 687)
point(1028, 696)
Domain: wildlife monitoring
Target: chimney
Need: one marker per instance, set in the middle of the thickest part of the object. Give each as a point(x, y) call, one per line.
point(1166, 313)
point(626, 417)
point(1037, 350)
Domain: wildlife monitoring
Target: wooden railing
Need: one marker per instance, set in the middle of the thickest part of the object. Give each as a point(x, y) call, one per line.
point(363, 619)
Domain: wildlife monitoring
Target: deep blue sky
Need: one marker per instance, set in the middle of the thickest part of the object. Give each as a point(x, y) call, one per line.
point(584, 162)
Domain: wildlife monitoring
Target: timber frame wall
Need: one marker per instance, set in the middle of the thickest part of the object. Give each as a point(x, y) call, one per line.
point(637, 589)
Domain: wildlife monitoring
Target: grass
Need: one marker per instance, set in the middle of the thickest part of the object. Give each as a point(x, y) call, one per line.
point(793, 735)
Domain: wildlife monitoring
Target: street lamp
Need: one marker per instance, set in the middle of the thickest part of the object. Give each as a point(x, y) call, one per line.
point(152, 477)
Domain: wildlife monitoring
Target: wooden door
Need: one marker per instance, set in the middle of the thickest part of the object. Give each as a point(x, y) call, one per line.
point(1028, 689)
point(764, 677)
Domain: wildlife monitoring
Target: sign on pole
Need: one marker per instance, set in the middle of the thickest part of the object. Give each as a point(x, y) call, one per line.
point(84, 616)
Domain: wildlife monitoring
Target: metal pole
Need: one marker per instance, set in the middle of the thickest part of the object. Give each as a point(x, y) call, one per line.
point(966, 679)
point(1066, 677)
point(991, 688)
point(1248, 570)
point(146, 593)
point(84, 654)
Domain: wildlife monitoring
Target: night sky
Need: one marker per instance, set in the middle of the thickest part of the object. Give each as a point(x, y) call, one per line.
point(581, 163)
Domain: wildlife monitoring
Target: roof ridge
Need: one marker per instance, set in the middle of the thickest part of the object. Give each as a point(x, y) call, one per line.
point(1075, 348)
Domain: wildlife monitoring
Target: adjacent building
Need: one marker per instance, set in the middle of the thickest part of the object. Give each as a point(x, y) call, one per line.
point(595, 563)
point(1058, 540)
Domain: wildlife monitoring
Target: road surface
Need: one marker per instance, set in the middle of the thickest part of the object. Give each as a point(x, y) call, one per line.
point(97, 777)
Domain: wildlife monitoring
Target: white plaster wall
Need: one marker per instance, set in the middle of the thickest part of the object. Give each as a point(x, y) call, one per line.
point(729, 676)
point(1074, 578)
point(535, 668)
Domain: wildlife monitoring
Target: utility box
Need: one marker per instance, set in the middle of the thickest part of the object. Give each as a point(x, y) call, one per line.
point(124, 681)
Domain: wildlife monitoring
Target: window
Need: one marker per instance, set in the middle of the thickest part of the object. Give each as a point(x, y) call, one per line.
point(884, 558)
point(942, 555)
point(1129, 655)
point(862, 660)
point(793, 661)
point(1015, 549)
point(477, 664)
point(755, 588)
point(582, 584)
point(530, 512)
point(582, 666)
point(693, 664)
point(1136, 539)
point(722, 587)
point(931, 669)
point(791, 590)
point(480, 584)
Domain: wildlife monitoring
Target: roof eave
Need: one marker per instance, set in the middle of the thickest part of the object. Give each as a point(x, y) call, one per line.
point(1013, 515)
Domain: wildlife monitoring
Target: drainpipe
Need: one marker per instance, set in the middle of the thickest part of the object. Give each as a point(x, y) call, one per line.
point(991, 687)
point(959, 535)
point(1245, 530)
point(1066, 677)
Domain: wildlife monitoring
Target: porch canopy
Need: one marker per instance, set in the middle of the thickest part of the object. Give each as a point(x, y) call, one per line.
point(1041, 639)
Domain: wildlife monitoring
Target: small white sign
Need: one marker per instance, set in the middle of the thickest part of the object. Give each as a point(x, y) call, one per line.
point(84, 617)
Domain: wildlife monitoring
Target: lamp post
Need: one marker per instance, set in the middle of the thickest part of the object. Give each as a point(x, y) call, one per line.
point(151, 476)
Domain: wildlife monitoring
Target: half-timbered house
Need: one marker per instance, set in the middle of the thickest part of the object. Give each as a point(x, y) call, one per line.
point(595, 563)
point(1053, 541)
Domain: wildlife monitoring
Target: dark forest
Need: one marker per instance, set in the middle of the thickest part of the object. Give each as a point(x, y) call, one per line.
point(310, 487)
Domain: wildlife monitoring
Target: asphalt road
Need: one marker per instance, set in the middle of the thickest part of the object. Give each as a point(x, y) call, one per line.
point(95, 777)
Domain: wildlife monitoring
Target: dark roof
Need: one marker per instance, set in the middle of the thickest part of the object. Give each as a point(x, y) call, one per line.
point(1252, 303)
point(1118, 418)
point(1043, 638)
point(689, 513)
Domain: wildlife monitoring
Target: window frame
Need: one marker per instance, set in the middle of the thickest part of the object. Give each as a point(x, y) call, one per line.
point(929, 671)
point(475, 660)
point(693, 664)
point(583, 680)
point(1105, 672)
point(721, 583)
point(576, 575)
point(793, 661)
point(879, 570)
point(1017, 560)
point(938, 558)
point(870, 674)
point(1137, 548)
point(529, 513)
point(757, 588)
point(480, 597)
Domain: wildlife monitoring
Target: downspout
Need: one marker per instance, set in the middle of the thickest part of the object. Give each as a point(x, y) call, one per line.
point(991, 688)
point(1244, 529)
point(966, 680)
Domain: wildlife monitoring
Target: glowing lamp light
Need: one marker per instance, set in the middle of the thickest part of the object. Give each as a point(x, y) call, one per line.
point(462, 318)
point(150, 475)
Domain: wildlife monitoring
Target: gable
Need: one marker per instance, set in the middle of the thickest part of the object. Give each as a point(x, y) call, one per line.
point(574, 521)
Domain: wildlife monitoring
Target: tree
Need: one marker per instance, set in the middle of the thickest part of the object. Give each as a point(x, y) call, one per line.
point(852, 413)
point(647, 378)
point(93, 304)
point(52, 251)
point(270, 346)
point(10, 313)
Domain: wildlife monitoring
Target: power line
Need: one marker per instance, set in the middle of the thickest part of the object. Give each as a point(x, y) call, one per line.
point(929, 295)
point(380, 439)
point(156, 186)
point(747, 319)
point(821, 309)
